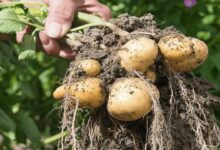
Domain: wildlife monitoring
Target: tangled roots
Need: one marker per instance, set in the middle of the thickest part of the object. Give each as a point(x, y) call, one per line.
point(196, 110)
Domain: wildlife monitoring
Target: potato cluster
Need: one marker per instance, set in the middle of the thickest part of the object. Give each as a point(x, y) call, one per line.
point(131, 98)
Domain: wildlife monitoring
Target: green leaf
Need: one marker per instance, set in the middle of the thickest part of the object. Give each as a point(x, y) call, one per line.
point(11, 5)
point(9, 22)
point(29, 128)
point(6, 123)
point(27, 48)
point(27, 54)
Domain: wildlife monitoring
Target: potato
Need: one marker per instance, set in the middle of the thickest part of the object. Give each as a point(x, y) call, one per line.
point(91, 67)
point(88, 91)
point(129, 99)
point(138, 54)
point(59, 92)
point(151, 75)
point(175, 47)
point(193, 61)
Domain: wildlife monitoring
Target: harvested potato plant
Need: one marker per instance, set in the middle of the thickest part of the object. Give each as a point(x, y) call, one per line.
point(130, 86)
point(127, 81)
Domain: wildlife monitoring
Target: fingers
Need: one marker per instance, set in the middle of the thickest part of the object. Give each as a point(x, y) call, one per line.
point(20, 35)
point(60, 17)
point(52, 47)
point(93, 6)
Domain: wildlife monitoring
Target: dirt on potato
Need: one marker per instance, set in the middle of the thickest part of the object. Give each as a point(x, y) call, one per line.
point(181, 120)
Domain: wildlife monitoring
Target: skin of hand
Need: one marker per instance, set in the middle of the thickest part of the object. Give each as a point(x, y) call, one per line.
point(59, 21)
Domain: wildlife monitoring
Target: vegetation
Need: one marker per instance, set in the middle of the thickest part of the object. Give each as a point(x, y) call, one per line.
point(29, 114)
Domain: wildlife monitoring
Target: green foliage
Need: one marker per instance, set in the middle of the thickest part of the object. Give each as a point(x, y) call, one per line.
point(28, 113)
point(9, 22)
point(28, 127)
point(6, 123)
point(28, 48)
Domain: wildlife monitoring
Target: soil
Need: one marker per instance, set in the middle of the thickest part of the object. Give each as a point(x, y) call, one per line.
point(181, 120)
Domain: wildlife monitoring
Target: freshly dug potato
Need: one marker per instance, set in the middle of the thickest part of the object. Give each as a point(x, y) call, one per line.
point(151, 75)
point(59, 92)
point(130, 99)
point(91, 67)
point(138, 54)
point(175, 47)
point(88, 91)
point(193, 61)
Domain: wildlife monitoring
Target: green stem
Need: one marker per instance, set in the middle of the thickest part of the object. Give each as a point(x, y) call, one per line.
point(54, 138)
point(32, 24)
point(84, 26)
point(89, 18)
point(97, 21)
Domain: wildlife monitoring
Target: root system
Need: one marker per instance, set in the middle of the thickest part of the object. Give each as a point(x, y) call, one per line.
point(181, 119)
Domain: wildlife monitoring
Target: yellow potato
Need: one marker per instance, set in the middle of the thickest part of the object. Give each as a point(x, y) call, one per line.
point(195, 60)
point(91, 67)
point(88, 91)
point(138, 54)
point(129, 99)
point(59, 92)
point(151, 75)
point(175, 47)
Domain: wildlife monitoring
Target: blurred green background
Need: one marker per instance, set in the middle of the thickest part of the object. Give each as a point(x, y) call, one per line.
point(29, 114)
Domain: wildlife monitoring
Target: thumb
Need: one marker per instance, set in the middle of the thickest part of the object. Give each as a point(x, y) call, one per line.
point(60, 17)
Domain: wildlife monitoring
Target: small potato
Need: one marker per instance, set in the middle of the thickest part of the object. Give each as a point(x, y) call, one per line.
point(88, 91)
point(195, 60)
point(91, 67)
point(59, 92)
point(130, 99)
point(151, 75)
point(138, 54)
point(175, 47)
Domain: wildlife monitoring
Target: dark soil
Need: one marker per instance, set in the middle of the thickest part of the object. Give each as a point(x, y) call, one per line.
point(179, 94)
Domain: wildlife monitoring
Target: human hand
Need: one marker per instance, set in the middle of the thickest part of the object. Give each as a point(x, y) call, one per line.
point(59, 21)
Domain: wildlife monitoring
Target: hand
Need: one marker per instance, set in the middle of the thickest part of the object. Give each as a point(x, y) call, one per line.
point(59, 21)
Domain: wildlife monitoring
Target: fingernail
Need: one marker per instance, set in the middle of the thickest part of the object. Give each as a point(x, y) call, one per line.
point(69, 54)
point(54, 30)
point(66, 28)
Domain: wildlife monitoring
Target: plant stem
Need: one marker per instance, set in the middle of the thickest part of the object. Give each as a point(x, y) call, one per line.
point(97, 21)
point(89, 18)
point(54, 138)
point(84, 26)
point(32, 24)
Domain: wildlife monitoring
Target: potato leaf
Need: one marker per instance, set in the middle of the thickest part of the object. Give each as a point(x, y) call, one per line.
point(27, 48)
point(27, 54)
point(9, 22)
point(6, 123)
point(28, 126)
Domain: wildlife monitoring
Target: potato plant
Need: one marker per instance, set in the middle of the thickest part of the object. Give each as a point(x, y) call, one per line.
point(131, 75)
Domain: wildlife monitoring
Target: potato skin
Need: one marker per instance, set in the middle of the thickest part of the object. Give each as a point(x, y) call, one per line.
point(88, 91)
point(129, 99)
point(151, 75)
point(198, 57)
point(59, 92)
point(91, 67)
point(138, 54)
point(175, 47)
